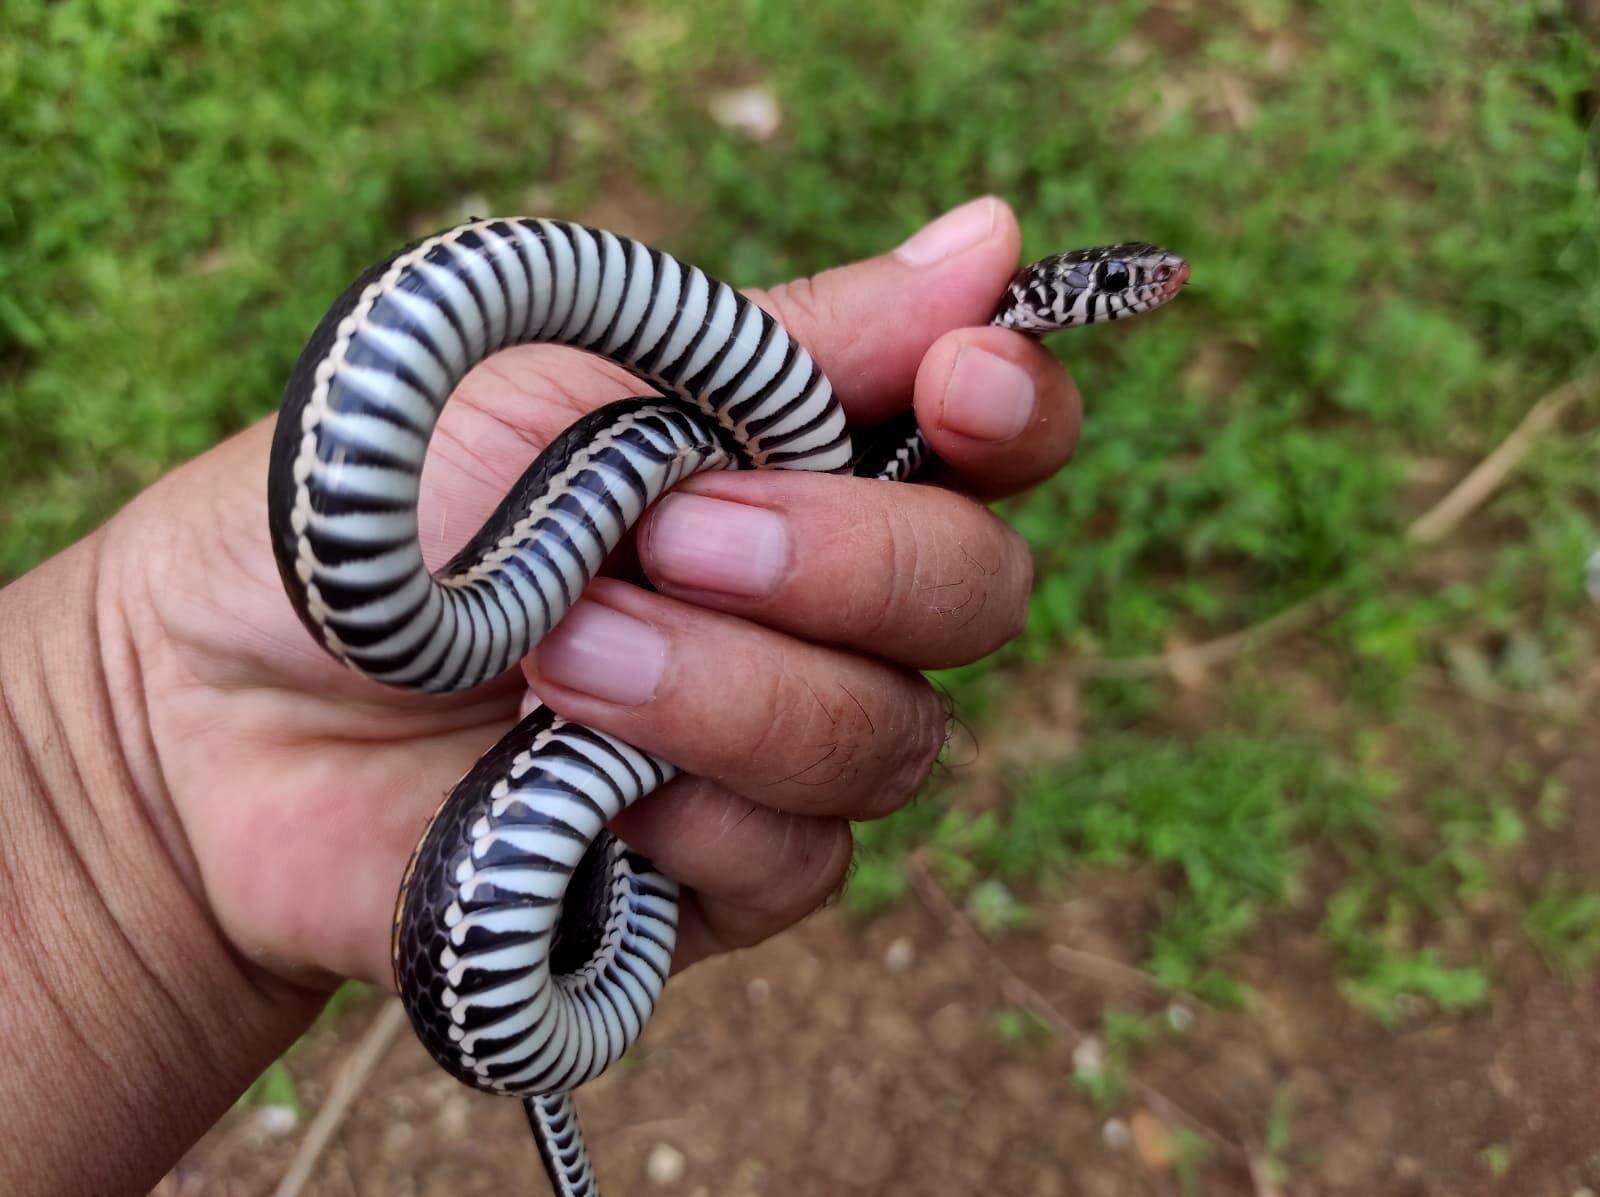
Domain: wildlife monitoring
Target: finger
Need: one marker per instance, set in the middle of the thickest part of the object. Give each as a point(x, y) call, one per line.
point(791, 725)
point(998, 410)
point(753, 871)
point(912, 574)
point(868, 325)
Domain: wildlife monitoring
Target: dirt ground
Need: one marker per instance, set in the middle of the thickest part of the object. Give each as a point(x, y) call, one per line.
point(850, 1057)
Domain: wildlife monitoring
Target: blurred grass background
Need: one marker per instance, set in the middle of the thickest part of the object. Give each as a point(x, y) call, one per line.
point(1394, 221)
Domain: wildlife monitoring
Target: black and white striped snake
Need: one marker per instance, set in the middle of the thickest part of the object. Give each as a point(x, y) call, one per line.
point(530, 945)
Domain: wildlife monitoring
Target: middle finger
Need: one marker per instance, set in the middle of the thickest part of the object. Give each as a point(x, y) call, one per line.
point(790, 725)
point(913, 574)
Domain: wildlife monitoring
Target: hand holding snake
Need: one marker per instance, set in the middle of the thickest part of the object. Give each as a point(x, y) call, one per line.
point(530, 943)
point(288, 792)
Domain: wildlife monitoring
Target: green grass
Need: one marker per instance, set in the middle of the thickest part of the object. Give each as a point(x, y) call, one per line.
point(1563, 921)
point(1392, 213)
point(1221, 820)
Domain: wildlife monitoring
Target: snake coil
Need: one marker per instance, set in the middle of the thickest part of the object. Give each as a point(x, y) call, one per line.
point(529, 944)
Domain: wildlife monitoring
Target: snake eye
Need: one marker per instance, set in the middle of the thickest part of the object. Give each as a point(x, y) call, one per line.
point(1113, 275)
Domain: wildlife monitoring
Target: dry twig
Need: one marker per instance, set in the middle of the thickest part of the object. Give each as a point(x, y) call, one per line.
point(352, 1078)
point(1489, 474)
point(1019, 993)
point(1105, 969)
point(1432, 526)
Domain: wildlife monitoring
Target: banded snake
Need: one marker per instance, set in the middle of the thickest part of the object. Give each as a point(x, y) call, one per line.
point(529, 944)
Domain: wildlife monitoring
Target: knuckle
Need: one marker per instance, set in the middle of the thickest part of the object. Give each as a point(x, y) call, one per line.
point(819, 854)
point(810, 304)
point(772, 709)
point(806, 864)
point(803, 301)
point(883, 590)
point(919, 737)
point(1017, 583)
point(803, 747)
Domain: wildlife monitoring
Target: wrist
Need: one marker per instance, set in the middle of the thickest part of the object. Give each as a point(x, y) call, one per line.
point(117, 991)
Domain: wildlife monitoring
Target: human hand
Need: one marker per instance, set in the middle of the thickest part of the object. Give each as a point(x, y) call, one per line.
point(775, 664)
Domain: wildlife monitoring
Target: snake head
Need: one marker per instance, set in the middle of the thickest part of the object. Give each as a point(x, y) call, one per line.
point(1087, 286)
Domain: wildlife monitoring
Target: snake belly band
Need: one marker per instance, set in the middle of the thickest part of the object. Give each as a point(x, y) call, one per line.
point(530, 946)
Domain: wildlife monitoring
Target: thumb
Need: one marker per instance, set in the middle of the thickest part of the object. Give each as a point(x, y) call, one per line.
point(869, 324)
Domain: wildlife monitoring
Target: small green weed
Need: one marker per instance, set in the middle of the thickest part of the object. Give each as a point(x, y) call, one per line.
point(1563, 923)
point(1384, 974)
point(1020, 1028)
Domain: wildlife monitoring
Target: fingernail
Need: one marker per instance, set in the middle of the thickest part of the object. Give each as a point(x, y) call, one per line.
point(606, 654)
point(958, 229)
point(712, 544)
point(987, 398)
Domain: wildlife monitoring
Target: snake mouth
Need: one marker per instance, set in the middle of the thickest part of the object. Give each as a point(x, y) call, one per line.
point(1180, 276)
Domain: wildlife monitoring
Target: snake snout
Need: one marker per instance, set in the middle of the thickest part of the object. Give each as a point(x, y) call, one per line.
point(1176, 280)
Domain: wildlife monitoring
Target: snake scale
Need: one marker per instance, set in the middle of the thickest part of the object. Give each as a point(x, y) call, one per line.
point(530, 945)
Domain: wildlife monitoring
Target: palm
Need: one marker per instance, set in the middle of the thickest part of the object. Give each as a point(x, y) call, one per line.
point(302, 787)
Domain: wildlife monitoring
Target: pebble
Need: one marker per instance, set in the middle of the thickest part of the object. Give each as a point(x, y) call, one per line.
point(665, 1164)
point(1116, 1134)
point(751, 110)
point(759, 990)
point(900, 955)
point(1152, 1140)
point(276, 1120)
point(1089, 1056)
point(1179, 1017)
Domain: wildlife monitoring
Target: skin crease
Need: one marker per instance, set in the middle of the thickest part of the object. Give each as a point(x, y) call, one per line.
point(182, 749)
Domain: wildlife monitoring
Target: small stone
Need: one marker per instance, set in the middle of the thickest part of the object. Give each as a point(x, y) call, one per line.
point(1151, 1140)
point(753, 111)
point(1179, 1017)
point(900, 955)
point(665, 1164)
point(1116, 1134)
point(1089, 1057)
point(276, 1120)
point(759, 990)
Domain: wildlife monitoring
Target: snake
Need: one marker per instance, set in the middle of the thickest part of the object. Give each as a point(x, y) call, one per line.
point(529, 944)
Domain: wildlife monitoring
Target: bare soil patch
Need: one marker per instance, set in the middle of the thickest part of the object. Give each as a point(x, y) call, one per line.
point(848, 1057)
